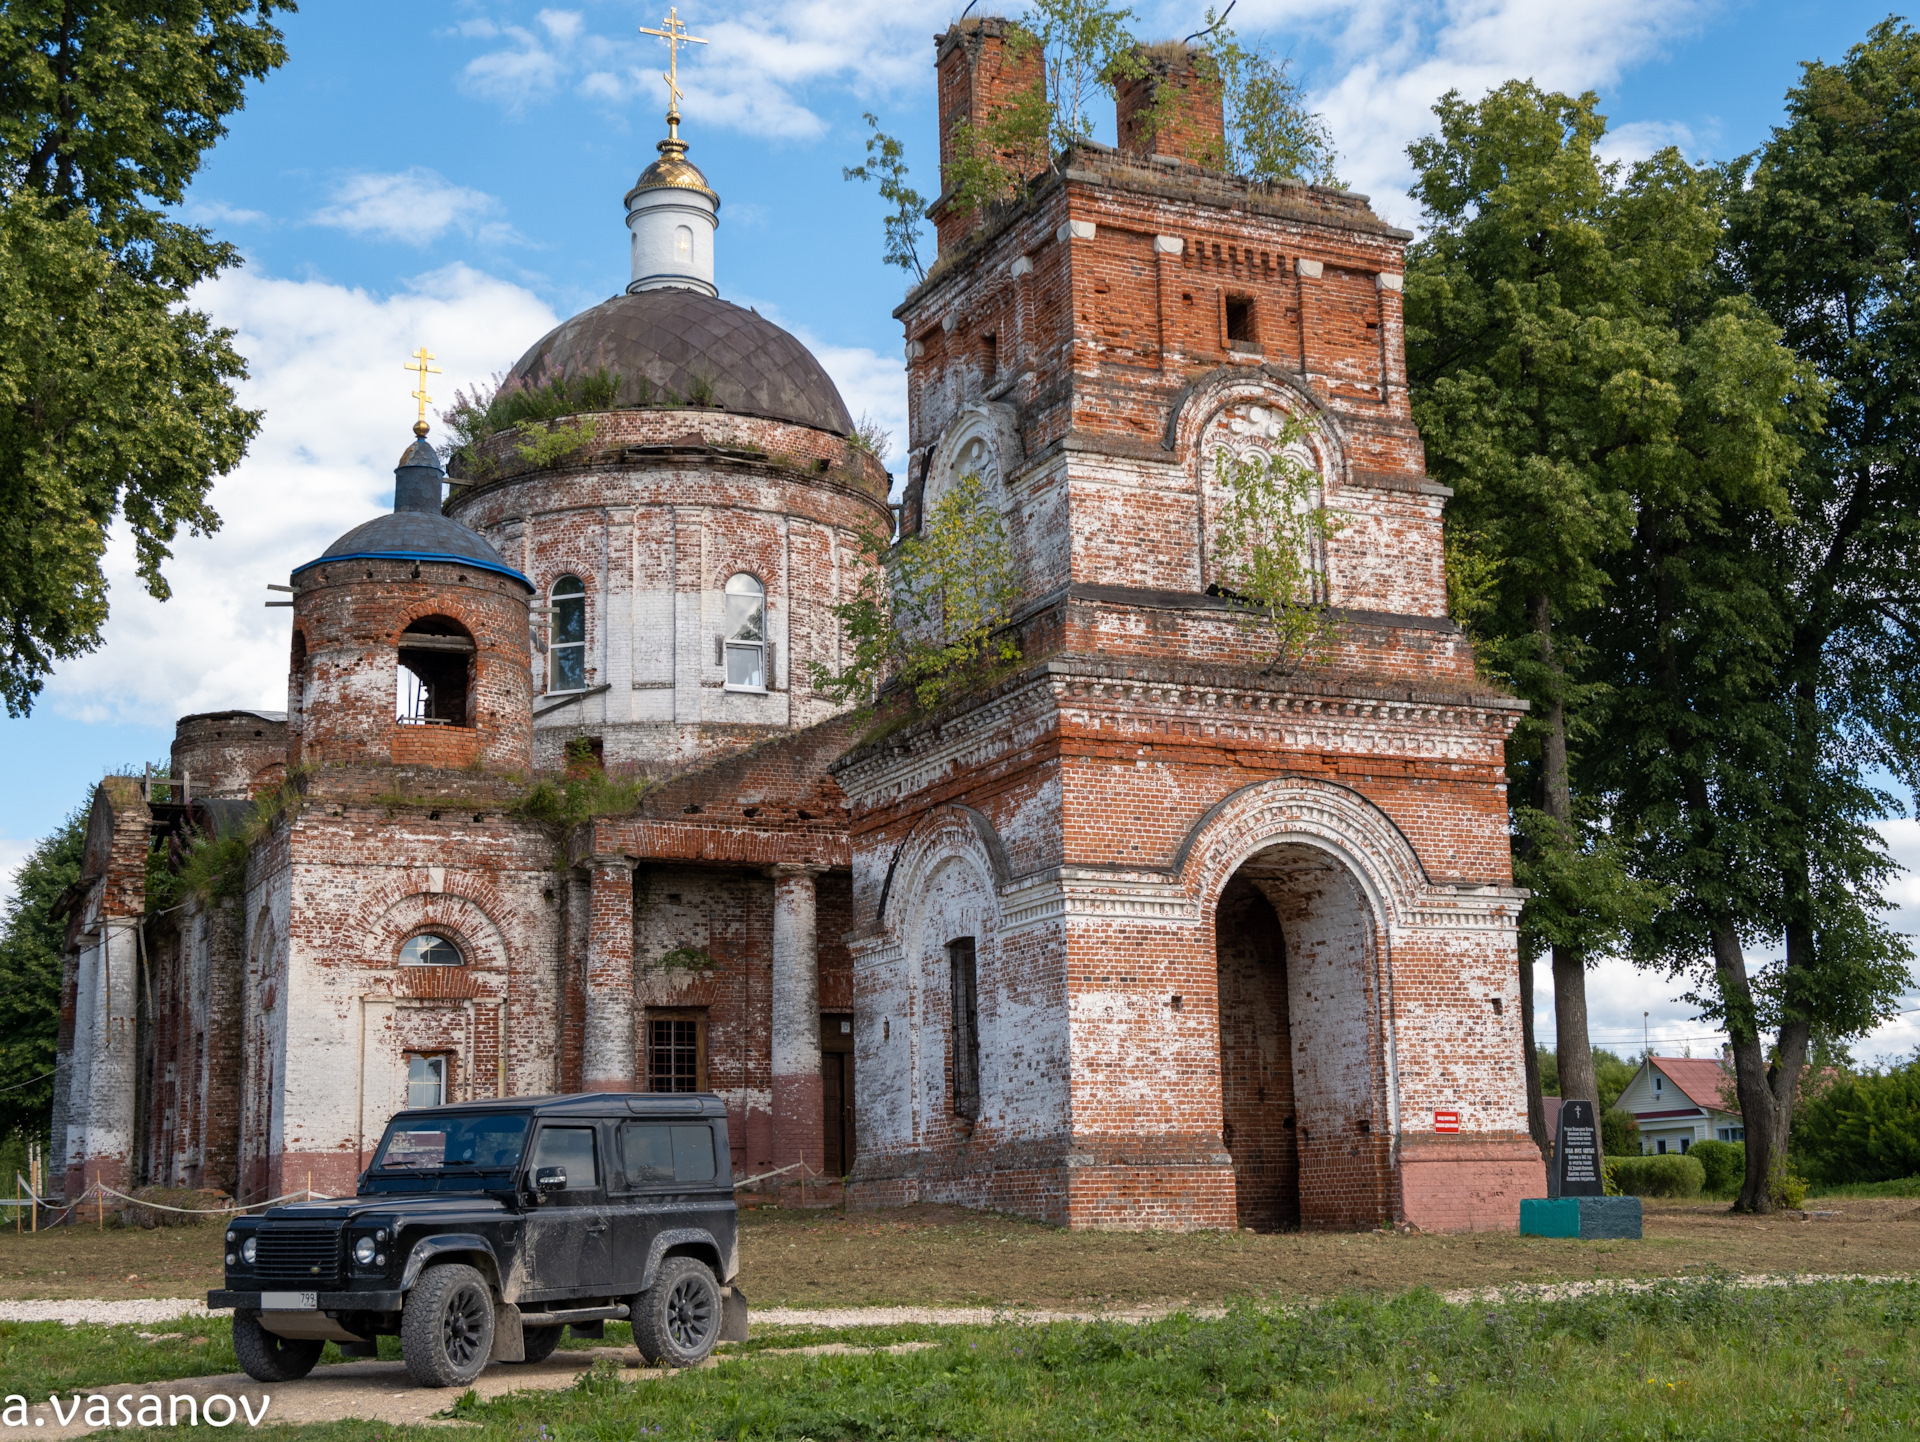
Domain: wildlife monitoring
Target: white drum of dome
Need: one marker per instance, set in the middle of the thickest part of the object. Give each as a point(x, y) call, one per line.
point(672, 239)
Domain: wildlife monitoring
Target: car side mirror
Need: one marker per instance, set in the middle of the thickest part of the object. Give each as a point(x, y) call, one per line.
point(550, 1179)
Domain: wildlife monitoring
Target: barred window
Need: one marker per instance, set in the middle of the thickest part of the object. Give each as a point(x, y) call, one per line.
point(966, 1029)
point(677, 1053)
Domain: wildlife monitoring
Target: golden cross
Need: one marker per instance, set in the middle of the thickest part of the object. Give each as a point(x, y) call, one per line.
point(423, 370)
point(675, 34)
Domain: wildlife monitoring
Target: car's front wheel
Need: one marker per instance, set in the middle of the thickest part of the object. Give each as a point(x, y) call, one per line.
point(676, 1321)
point(446, 1326)
point(268, 1357)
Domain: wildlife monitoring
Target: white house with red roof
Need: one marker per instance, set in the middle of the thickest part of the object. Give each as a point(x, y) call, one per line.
point(1682, 1100)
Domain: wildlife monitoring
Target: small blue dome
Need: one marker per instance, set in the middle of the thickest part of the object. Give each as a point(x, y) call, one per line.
point(415, 530)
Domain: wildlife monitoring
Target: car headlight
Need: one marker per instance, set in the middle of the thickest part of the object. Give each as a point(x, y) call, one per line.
point(363, 1251)
point(248, 1249)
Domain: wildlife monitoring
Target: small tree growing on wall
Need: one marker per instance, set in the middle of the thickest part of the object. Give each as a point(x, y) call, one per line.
point(929, 613)
point(1272, 530)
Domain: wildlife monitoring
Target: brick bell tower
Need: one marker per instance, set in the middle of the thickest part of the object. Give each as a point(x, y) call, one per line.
point(1148, 935)
point(410, 642)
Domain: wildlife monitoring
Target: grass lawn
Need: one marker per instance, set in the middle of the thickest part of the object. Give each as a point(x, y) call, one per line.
point(943, 1255)
point(1697, 1361)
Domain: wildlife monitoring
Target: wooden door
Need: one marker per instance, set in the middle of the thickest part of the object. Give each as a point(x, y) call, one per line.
point(836, 1090)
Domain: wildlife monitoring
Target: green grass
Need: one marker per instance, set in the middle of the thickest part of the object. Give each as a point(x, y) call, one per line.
point(1702, 1361)
point(1900, 1187)
point(40, 1357)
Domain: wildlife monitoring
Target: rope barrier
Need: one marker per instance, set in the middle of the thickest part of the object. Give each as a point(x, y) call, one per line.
point(101, 1189)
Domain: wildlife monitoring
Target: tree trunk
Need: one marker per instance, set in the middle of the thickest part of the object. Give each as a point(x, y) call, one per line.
point(1757, 1111)
point(1575, 1051)
point(1536, 1106)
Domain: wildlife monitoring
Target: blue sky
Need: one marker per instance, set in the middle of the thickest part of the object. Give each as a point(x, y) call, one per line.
point(451, 176)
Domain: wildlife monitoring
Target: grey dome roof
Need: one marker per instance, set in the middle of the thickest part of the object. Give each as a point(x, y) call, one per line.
point(420, 534)
point(673, 339)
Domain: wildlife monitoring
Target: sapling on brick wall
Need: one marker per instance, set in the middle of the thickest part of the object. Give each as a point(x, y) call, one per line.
point(1269, 543)
point(931, 612)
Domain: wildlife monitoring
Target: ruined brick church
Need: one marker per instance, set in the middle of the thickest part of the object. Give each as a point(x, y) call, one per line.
point(1140, 935)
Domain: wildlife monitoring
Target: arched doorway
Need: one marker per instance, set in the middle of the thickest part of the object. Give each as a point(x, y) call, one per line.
point(1302, 1105)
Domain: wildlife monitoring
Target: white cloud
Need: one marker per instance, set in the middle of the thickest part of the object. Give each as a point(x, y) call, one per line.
point(1639, 139)
point(12, 854)
point(326, 367)
point(1391, 62)
point(786, 71)
point(218, 212)
point(416, 206)
point(754, 75)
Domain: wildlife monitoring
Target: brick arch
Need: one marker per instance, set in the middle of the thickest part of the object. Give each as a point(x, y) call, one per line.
point(409, 900)
point(1317, 814)
point(480, 941)
point(1198, 403)
point(941, 832)
point(994, 424)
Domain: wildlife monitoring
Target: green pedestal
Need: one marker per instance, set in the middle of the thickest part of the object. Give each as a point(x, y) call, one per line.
point(1550, 1217)
point(1588, 1218)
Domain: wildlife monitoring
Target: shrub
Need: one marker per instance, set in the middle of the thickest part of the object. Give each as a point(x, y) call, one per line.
point(1863, 1128)
point(1670, 1176)
point(1619, 1133)
point(1725, 1163)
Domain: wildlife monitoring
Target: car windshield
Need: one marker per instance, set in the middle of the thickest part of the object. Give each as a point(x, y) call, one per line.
point(434, 1143)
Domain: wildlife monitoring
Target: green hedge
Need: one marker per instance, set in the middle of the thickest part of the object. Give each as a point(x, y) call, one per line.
point(1670, 1176)
point(1725, 1163)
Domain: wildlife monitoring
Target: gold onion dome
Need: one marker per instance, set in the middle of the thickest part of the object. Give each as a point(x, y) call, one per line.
point(673, 171)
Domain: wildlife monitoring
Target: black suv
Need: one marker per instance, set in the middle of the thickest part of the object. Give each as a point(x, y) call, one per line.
point(482, 1229)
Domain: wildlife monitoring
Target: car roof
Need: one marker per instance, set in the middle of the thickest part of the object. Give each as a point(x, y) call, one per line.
point(589, 1104)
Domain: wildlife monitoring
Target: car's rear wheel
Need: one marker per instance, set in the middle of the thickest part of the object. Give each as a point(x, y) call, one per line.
point(446, 1327)
point(676, 1321)
point(540, 1342)
point(270, 1358)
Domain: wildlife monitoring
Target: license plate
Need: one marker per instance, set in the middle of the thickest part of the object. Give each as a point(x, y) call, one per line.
point(288, 1301)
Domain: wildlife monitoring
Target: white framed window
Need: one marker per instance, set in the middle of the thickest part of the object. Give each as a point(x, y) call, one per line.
point(746, 634)
point(426, 1081)
point(567, 628)
point(430, 950)
point(683, 244)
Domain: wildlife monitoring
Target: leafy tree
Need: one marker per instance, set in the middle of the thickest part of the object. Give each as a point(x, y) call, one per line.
point(1271, 135)
point(1864, 1128)
point(1086, 50)
point(930, 614)
point(1272, 533)
point(1619, 1133)
point(1538, 318)
point(886, 167)
point(31, 941)
point(1825, 237)
point(115, 395)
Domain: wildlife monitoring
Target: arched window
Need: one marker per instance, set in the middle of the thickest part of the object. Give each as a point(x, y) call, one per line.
point(430, 950)
point(683, 245)
point(435, 674)
point(746, 634)
point(567, 648)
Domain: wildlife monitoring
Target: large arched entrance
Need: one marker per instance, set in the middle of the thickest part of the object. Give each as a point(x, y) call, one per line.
point(1302, 1108)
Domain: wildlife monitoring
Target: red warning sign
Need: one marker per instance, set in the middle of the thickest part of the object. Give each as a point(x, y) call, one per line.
point(1446, 1121)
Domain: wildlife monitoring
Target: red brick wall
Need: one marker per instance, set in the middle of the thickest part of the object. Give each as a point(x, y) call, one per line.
point(348, 618)
point(1173, 109)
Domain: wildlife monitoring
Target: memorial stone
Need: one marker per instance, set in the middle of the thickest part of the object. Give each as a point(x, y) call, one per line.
point(1576, 1152)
